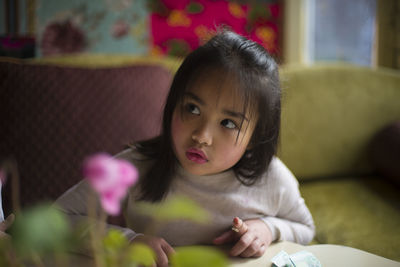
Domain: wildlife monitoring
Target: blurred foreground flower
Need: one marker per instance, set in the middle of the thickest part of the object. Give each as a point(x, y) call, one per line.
point(118, 251)
point(110, 178)
point(41, 235)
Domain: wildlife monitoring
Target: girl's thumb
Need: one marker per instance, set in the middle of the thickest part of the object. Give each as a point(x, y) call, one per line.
point(4, 225)
point(239, 226)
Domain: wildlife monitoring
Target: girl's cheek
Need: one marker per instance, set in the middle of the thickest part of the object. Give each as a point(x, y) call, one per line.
point(232, 150)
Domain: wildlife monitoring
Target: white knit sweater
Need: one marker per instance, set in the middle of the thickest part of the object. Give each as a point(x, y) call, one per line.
point(275, 199)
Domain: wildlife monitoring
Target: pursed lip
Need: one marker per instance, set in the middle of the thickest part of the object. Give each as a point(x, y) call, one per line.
point(196, 155)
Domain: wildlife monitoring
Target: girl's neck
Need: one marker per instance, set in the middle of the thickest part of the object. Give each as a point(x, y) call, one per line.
point(225, 175)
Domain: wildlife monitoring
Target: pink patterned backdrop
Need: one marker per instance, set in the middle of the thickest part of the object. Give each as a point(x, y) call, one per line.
point(177, 27)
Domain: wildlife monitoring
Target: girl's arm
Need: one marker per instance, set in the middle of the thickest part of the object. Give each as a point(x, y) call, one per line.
point(77, 201)
point(292, 221)
point(289, 218)
point(250, 237)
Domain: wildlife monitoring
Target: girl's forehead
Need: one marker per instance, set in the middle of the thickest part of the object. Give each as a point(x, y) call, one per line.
point(225, 93)
point(219, 89)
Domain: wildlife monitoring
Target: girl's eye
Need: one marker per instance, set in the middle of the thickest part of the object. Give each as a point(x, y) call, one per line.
point(228, 124)
point(193, 109)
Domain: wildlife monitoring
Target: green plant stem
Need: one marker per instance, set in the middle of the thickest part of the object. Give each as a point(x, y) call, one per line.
point(102, 224)
point(94, 238)
point(37, 260)
point(12, 259)
point(61, 260)
point(101, 229)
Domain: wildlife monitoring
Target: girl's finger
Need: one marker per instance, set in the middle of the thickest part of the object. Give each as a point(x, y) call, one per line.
point(252, 249)
point(239, 226)
point(243, 243)
point(164, 253)
point(162, 259)
point(167, 249)
point(4, 225)
point(261, 251)
point(226, 237)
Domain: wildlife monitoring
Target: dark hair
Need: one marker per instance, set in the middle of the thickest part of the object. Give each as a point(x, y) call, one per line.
point(257, 74)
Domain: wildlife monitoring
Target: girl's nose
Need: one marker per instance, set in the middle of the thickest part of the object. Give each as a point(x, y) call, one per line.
point(202, 135)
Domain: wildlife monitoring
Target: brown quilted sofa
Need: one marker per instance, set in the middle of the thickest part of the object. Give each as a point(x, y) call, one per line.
point(54, 115)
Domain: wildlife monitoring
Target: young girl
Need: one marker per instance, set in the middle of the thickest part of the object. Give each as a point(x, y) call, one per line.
point(219, 137)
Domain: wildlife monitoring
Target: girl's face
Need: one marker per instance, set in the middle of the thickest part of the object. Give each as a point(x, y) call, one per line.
point(206, 132)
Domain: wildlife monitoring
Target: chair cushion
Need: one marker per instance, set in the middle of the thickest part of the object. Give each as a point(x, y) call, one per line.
point(357, 212)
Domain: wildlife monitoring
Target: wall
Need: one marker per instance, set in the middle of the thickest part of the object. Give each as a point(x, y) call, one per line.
point(109, 26)
point(155, 27)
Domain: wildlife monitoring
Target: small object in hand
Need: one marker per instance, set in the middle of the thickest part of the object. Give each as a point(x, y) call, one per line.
point(237, 224)
point(235, 229)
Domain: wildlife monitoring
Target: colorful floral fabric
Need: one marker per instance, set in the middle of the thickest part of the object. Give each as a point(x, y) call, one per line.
point(158, 27)
point(177, 27)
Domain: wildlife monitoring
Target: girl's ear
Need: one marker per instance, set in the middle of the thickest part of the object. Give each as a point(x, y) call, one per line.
point(250, 146)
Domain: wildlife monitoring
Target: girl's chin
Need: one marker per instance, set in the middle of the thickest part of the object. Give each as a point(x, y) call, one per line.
point(195, 168)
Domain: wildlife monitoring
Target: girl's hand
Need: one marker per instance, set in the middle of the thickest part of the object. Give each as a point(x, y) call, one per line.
point(160, 247)
point(252, 238)
point(4, 225)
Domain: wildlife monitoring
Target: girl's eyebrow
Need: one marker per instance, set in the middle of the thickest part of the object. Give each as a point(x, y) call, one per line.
point(195, 97)
point(235, 114)
point(225, 111)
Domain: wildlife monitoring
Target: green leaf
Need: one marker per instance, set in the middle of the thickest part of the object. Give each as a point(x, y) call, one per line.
point(177, 207)
point(41, 229)
point(115, 240)
point(198, 256)
point(141, 254)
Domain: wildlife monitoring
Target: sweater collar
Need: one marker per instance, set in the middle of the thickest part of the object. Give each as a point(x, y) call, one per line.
point(225, 176)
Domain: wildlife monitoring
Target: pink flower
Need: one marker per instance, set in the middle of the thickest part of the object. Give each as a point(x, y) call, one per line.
point(62, 37)
point(119, 29)
point(110, 178)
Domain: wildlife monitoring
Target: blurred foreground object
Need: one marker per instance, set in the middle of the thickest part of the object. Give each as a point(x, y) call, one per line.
point(111, 179)
point(385, 151)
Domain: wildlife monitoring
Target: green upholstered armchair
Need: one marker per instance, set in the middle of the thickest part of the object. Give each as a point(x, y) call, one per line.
point(331, 114)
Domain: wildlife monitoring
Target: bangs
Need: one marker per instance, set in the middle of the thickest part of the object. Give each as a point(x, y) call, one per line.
point(246, 90)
